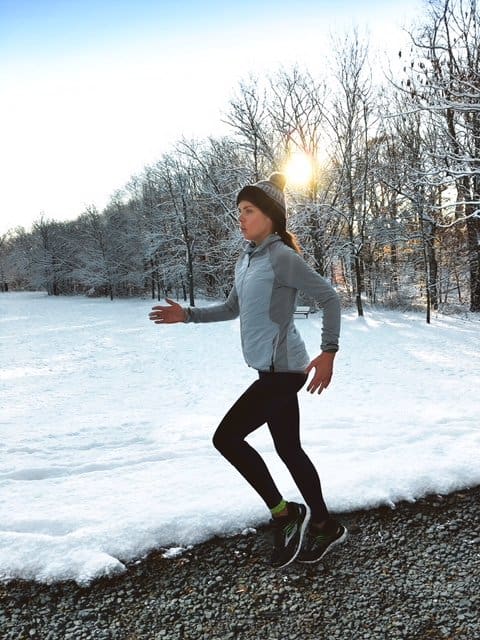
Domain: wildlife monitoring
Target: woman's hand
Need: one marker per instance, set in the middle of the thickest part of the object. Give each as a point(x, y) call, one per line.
point(168, 315)
point(323, 365)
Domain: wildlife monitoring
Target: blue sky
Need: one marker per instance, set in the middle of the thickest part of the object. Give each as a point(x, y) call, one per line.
point(91, 91)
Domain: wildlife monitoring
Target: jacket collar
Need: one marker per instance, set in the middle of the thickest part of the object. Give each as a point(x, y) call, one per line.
point(251, 247)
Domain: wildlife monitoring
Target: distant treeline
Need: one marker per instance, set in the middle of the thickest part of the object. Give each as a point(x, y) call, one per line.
point(391, 213)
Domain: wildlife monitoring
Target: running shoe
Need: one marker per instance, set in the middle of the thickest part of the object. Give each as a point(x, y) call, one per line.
point(288, 534)
point(320, 542)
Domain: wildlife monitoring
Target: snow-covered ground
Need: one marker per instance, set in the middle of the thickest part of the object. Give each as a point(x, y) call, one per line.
point(106, 422)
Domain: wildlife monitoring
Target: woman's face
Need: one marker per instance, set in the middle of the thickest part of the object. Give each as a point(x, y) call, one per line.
point(254, 224)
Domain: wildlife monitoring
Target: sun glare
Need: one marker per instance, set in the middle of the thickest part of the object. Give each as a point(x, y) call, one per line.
point(299, 169)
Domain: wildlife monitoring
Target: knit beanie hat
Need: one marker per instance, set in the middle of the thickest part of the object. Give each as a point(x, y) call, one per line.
point(268, 196)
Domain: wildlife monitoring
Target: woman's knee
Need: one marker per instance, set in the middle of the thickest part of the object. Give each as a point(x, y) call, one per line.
point(217, 440)
point(221, 440)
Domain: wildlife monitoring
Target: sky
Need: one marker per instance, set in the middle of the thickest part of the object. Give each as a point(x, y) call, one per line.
point(92, 91)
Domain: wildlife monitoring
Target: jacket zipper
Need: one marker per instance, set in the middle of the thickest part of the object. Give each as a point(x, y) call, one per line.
point(240, 292)
point(274, 353)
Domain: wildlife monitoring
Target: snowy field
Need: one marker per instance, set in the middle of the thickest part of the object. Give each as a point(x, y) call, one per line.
point(106, 423)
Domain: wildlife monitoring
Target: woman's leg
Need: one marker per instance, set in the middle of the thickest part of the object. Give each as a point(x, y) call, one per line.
point(284, 425)
point(266, 397)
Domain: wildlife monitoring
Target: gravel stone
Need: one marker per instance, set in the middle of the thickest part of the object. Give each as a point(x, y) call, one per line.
point(409, 573)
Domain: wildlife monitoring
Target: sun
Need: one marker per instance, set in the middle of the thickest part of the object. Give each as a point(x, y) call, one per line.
point(299, 169)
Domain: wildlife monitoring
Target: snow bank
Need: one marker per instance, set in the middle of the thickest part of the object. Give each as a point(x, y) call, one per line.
point(106, 423)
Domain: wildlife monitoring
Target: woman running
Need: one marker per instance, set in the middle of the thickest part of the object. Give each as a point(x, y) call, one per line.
point(268, 275)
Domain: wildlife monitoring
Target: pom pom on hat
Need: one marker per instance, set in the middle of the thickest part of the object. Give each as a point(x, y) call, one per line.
point(278, 179)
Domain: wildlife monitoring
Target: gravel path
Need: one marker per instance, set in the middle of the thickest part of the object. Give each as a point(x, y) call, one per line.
point(408, 573)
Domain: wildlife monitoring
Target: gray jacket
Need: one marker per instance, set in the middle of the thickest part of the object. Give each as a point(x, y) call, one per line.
point(267, 278)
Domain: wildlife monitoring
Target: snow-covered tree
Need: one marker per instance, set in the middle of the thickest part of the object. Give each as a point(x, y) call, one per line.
point(444, 80)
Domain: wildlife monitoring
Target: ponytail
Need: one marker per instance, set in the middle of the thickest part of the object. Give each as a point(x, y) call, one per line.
point(288, 238)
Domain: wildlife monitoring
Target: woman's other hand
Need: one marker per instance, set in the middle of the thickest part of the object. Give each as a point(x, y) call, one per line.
point(323, 365)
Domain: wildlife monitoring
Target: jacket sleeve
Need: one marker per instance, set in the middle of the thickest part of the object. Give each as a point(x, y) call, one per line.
point(216, 313)
point(292, 270)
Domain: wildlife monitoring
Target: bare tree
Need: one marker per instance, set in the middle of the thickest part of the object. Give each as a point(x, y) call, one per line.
point(352, 126)
point(298, 115)
point(4, 242)
point(178, 180)
point(96, 266)
point(249, 118)
point(51, 258)
point(445, 81)
point(220, 173)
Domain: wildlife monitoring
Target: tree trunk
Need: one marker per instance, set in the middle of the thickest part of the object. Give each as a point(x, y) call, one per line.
point(473, 239)
point(394, 267)
point(358, 280)
point(152, 279)
point(432, 282)
point(316, 234)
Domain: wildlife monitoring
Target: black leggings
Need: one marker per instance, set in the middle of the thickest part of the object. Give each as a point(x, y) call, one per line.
point(271, 399)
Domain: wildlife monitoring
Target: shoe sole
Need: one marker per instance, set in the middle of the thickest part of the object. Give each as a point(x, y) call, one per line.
point(304, 526)
point(336, 542)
